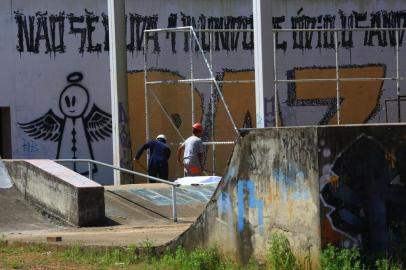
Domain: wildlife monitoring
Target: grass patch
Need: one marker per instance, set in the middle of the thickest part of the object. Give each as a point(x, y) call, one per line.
point(280, 257)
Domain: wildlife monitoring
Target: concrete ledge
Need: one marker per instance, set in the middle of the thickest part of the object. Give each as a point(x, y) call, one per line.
point(59, 191)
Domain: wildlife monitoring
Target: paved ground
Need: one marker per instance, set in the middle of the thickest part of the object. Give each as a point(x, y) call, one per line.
point(134, 214)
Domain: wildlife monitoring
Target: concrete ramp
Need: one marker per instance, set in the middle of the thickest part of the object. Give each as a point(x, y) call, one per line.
point(46, 193)
point(344, 185)
point(5, 180)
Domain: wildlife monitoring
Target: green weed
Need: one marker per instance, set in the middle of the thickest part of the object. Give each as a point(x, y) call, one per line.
point(333, 258)
point(280, 256)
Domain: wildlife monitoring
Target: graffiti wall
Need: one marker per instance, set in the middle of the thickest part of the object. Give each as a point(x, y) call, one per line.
point(361, 54)
point(362, 187)
point(55, 73)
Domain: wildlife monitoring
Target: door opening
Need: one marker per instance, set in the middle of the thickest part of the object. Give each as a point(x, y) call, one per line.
point(5, 133)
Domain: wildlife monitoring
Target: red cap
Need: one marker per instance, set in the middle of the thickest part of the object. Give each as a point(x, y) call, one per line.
point(198, 126)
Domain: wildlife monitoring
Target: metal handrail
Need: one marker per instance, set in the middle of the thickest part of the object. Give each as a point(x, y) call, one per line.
point(91, 161)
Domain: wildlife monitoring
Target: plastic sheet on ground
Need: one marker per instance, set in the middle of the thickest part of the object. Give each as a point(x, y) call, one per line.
point(198, 180)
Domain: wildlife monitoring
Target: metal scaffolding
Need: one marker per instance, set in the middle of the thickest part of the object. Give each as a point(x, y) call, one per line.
point(214, 83)
point(337, 78)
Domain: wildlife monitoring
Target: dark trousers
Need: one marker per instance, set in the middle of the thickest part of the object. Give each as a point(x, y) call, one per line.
point(158, 169)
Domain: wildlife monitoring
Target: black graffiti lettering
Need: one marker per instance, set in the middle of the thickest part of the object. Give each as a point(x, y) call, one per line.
point(151, 22)
point(200, 24)
point(276, 21)
point(74, 30)
point(33, 29)
point(248, 23)
point(233, 23)
point(105, 23)
point(361, 17)
point(376, 23)
point(186, 21)
point(301, 39)
point(25, 32)
point(90, 20)
point(131, 46)
point(42, 32)
point(54, 21)
point(204, 38)
point(347, 22)
point(328, 23)
point(394, 19)
point(137, 26)
point(172, 22)
point(224, 38)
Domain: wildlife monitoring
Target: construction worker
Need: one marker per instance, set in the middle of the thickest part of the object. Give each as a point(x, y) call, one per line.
point(192, 152)
point(158, 158)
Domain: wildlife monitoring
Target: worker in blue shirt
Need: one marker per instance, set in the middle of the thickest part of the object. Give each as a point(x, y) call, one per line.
point(159, 153)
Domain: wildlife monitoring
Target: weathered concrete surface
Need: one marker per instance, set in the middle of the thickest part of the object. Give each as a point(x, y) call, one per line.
point(133, 216)
point(316, 185)
point(59, 191)
point(16, 214)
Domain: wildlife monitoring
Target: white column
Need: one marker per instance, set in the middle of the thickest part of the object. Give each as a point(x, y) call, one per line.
point(263, 56)
point(119, 92)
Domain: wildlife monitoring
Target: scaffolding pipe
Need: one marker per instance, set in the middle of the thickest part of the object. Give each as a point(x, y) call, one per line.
point(275, 85)
point(337, 77)
point(146, 93)
point(212, 105)
point(339, 29)
point(166, 114)
point(397, 76)
point(191, 76)
point(187, 28)
point(205, 80)
point(215, 83)
point(340, 79)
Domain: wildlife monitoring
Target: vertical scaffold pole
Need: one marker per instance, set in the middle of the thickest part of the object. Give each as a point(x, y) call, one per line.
point(397, 76)
point(191, 75)
point(337, 77)
point(275, 82)
point(146, 93)
point(212, 105)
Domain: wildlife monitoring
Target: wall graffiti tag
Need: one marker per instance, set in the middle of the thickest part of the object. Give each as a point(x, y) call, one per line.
point(47, 33)
point(366, 194)
point(351, 93)
point(253, 203)
point(76, 131)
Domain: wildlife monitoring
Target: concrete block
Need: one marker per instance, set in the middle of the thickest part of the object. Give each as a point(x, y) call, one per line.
point(59, 191)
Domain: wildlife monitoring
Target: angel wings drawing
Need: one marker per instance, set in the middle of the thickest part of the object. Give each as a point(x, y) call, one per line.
point(75, 132)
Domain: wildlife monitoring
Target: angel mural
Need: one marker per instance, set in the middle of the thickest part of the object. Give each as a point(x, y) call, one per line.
point(76, 131)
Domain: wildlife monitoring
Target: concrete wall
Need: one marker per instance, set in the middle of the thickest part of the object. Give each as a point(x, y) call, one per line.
point(59, 191)
point(316, 185)
point(361, 54)
point(271, 186)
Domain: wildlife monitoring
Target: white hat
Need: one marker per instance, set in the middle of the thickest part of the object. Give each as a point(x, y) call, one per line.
point(161, 136)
